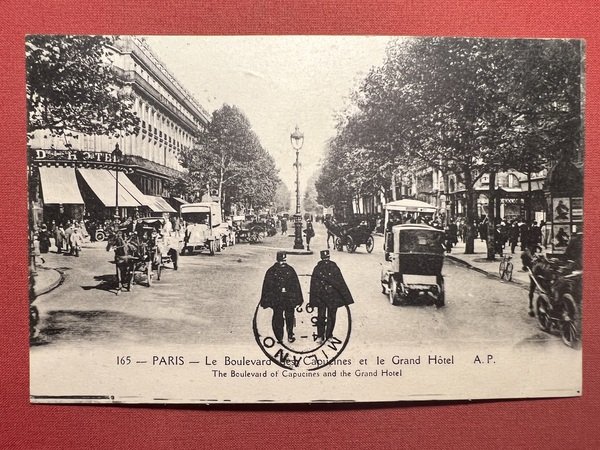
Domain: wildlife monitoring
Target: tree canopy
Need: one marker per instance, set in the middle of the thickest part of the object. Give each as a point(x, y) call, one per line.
point(229, 159)
point(73, 87)
point(465, 106)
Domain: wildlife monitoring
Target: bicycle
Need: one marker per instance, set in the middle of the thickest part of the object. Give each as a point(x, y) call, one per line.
point(506, 268)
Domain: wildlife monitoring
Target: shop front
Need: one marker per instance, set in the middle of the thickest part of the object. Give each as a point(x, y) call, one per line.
point(77, 185)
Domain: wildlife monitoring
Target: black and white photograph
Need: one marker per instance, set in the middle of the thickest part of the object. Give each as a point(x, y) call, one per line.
point(295, 219)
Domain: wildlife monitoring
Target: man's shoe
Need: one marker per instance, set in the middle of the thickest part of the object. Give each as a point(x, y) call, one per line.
point(291, 339)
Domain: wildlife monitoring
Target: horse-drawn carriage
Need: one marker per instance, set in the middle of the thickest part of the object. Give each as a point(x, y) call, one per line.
point(141, 253)
point(557, 284)
point(350, 236)
point(252, 231)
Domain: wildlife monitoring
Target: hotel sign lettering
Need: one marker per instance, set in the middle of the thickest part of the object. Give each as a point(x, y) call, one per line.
point(73, 155)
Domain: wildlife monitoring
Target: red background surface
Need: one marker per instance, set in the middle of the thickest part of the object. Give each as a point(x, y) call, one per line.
point(548, 423)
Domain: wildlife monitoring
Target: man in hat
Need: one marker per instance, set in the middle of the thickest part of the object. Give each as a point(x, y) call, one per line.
point(281, 291)
point(328, 291)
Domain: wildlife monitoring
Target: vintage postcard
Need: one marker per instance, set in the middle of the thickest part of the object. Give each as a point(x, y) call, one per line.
point(292, 219)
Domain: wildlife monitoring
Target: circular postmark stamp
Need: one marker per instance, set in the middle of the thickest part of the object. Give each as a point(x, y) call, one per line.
point(311, 347)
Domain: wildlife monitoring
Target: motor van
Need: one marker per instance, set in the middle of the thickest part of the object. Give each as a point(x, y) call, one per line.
point(202, 227)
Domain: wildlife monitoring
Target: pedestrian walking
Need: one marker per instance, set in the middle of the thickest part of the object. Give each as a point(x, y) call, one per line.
point(44, 239)
point(282, 293)
point(328, 292)
point(68, 233)
point(309, 233)
point(59, 237)
point(283, 226)
point(513, 236)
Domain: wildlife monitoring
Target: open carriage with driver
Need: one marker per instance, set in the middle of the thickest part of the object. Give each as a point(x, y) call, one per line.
point(557, 284)
point(249, 230)
point(350, 236)
point(137, 256)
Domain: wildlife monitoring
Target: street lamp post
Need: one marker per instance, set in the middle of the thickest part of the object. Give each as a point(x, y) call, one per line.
point(117, 154)
point(297, 139)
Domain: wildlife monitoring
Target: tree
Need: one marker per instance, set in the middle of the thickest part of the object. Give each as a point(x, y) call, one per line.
point(463, 106)
point(229, 159)
point(73, 87)
point(282, 200)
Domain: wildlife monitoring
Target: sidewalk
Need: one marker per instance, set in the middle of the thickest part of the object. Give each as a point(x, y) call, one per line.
point(45, 280)
point(478, 262)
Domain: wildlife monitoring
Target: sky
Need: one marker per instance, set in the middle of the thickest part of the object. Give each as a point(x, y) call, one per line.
point(277, 81)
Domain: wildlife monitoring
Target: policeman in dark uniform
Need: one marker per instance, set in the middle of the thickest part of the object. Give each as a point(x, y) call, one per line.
point(328, 291)
point(281, 291)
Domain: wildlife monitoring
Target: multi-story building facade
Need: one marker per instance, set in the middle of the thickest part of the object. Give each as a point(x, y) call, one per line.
point(76, 175)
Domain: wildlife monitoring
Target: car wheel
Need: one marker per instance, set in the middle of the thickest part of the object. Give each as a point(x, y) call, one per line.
point(393, 292)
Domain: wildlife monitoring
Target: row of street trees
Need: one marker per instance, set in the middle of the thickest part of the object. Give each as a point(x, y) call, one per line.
point(464, 106)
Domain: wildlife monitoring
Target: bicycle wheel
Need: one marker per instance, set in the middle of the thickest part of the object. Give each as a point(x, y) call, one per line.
point(509, 271)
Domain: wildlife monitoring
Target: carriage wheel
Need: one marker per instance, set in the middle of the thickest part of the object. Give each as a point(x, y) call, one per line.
point(99, 236)
point(218, 245)
point(544, 319)
point(211, 248)
point(339, 246)
point(569, 329)
point(370, 244)
point(350, 245)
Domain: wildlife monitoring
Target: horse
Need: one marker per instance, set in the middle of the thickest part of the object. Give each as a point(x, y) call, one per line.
point(332, 230)
point(125, 258)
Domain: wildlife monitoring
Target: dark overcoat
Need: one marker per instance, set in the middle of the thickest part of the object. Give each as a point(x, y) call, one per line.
point(281, 287)
point(328, 287)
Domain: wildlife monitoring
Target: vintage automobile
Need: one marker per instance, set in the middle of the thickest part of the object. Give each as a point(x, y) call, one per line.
point(202, 230)
point(413, 267)
point(227, 232)
point(406, 211)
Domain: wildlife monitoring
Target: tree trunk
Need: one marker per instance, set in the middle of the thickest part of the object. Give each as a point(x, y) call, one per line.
point(470, 212)
point(491, 231)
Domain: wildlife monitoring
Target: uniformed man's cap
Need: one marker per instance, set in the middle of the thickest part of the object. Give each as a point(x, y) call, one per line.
point(324, 254)
point(281, 256)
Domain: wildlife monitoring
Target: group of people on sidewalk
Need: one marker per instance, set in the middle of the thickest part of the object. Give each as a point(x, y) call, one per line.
point(67, 238)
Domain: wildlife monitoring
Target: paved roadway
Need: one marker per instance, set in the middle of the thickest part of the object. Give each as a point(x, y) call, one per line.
point(212, 300)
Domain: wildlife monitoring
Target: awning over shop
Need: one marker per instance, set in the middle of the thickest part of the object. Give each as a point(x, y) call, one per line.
point(131, 188)
point(179, 200)
point(59, 185)
point(103, 183)
point(158, 204)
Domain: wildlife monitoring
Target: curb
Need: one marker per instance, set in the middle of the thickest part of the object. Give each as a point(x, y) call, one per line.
point(51, 286)
point(485, 272)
